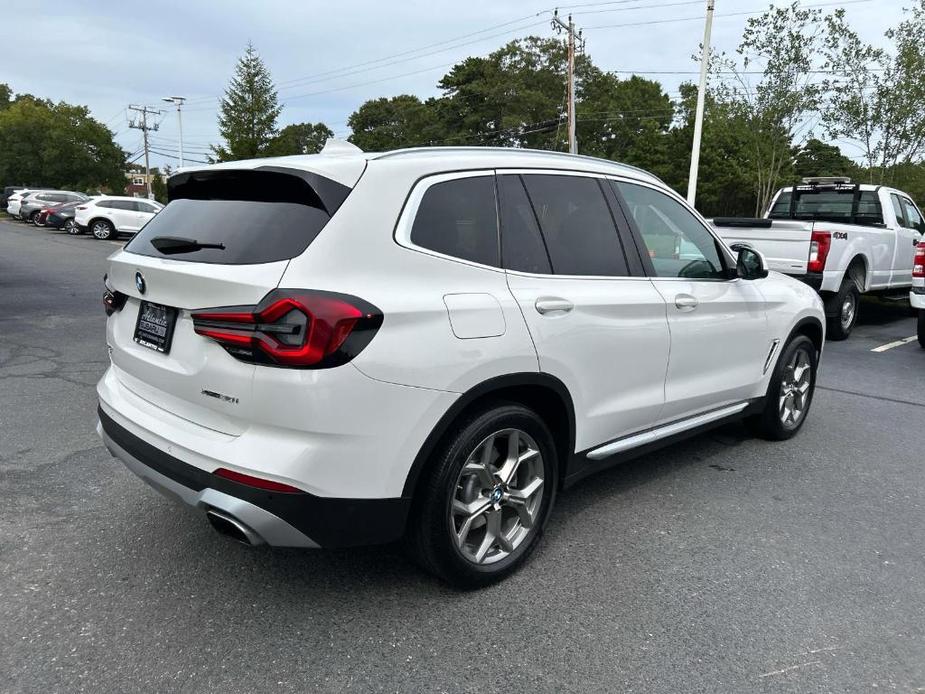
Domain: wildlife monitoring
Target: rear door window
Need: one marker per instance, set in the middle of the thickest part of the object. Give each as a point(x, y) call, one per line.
point(576, 224)
point(459, 218)
point(240, 217)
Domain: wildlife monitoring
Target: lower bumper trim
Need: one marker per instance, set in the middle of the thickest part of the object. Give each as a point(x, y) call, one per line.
point(284, 520)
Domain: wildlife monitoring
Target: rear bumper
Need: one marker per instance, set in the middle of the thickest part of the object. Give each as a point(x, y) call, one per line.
point(282, 520)
point(917, 298)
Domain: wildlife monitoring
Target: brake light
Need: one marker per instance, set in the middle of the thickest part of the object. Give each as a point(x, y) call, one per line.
point(299, 328)
point(918, 263)
point(112, 300)
point(81, 207)
point(819, 245)
point(257, 482)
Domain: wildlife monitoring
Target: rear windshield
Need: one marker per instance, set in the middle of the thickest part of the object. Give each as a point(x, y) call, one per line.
point(830, 206)
point(239, 217)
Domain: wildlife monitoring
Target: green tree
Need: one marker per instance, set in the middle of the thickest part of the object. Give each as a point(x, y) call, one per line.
point(513, 97)
point(785, 47)
point(58, 145)
point(391, 123)
point(725, 156)
point(158, 186)
point(249, 109)
point(816, 158)
point(6, 96)
point(875, 99)
point(299, 138)
point(624, 120)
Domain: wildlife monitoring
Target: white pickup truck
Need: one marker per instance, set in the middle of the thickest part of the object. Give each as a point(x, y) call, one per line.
point(841, 238)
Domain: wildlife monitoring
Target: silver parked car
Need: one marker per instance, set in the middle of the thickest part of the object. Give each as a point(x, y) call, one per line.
point(37, 201)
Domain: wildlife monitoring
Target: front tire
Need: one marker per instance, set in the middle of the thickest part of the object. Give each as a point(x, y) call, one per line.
point(920, 322)
point(102, 230)
point(790, 392)
point(481, 510)
point(70, 226)
point(842, 310)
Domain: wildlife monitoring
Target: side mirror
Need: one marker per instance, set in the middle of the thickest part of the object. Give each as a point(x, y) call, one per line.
point(750, 264)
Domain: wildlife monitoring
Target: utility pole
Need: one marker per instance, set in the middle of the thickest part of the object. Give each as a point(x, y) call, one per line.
point(144, 127)
point(178, 100)
point(698, 118)
point(574, 44)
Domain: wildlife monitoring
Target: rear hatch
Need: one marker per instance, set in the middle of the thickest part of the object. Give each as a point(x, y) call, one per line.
point(224, 239)
point(785, 244)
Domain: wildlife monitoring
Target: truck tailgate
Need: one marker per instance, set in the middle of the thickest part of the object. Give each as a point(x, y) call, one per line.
point(784, 243)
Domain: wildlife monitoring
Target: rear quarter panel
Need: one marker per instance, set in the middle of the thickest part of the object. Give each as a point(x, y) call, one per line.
point(416, 346)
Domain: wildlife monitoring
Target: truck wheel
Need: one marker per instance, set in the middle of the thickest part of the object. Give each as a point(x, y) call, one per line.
point(842, 310)
point(921, 327)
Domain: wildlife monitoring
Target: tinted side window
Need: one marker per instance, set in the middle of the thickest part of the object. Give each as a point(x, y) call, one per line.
point(522, 247)
point(913, 218)
point(781, 208)
point(898, 209)
point(123, 205)
point(579, 232)
point(678, 244)
point(104, 203)
point(458, 218)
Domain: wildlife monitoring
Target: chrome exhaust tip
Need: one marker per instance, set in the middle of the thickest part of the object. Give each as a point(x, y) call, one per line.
point(233, 528)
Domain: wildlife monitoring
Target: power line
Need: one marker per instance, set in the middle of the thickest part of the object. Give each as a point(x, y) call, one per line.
point(726, 14)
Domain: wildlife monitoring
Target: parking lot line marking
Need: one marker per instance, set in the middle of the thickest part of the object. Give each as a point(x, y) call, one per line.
point(891, 345)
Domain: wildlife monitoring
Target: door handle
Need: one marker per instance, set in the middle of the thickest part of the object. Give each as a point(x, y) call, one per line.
point(686, 302)
point(550, 304)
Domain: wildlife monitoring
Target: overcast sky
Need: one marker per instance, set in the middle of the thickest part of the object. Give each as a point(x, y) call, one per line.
point(107, 54)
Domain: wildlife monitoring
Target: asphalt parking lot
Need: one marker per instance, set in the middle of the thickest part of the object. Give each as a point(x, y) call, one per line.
point(722, 564)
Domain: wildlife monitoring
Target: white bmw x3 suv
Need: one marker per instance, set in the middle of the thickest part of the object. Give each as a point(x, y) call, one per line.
point(349, 348)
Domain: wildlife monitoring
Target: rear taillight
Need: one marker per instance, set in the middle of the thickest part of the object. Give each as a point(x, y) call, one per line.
point(82, 207)
point(918, 263)
point(298, 328)
point(819, 245)
point(112, 300)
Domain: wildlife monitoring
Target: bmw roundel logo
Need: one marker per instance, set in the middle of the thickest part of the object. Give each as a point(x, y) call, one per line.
point(140, 283)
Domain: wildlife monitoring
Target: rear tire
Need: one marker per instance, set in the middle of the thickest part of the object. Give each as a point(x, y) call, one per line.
point(476, 526)
point(842, 310)
point(102, 229)
point(920, 322)
point(790, 392)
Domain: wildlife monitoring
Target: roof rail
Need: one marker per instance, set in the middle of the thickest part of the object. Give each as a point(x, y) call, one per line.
point(513, 150)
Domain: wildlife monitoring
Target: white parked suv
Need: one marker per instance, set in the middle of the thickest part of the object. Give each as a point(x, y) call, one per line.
point(349, 348)
point(108, 216)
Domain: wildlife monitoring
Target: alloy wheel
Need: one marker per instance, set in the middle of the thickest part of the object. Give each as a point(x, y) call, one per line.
point(497, 498)
point(70, 226)
point(796, 382)
point(101, 230)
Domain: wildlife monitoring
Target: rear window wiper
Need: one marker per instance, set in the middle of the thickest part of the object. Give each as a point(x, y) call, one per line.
point(176, 244)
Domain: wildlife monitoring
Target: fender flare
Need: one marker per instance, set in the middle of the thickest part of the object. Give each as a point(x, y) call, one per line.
point(476, 393)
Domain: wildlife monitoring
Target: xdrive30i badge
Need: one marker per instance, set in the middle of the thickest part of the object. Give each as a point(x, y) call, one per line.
point(219, 396)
